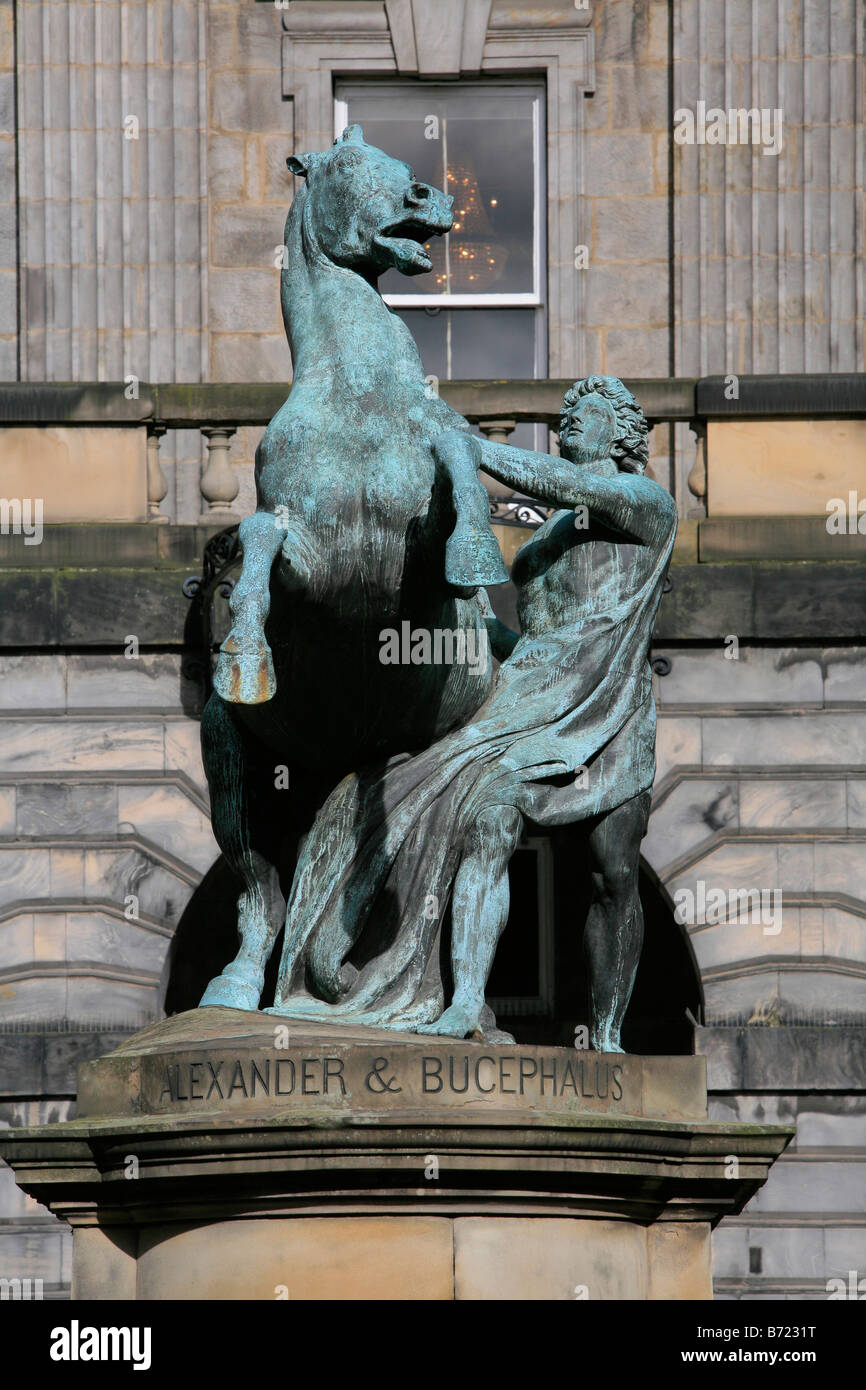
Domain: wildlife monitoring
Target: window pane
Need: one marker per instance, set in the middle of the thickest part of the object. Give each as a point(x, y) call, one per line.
point(474, 344)
point(478, 143)
point(479, 345)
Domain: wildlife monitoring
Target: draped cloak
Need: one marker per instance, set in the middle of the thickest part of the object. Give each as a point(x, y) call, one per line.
point(567, 733)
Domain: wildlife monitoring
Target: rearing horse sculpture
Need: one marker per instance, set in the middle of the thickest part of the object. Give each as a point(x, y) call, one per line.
point(358, 530)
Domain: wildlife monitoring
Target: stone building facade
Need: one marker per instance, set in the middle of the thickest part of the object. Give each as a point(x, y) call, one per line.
point(141, 209)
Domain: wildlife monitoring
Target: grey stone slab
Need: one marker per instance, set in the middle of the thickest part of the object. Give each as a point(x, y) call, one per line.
point(758, 675)
point(149, 681)
point(67, 872)
point(21, 1063)
point(805, 739)
point(706, 601)
point(835, 1128)
point(623, 32)
point(97, 936)
point(259, 357)
point(95, 999)
point(164, 815)
point(781, 606)
point(244, 301)
point(8, 356)
point(624, 295)
point(115, 874)
point(258, 39)
point(806, 1059)
point(607, 153)
point(637, 351)
point(182, 742)
point(856, 797)
point(786, 1251)
point(32, 682)
point(57, 808)
point(839, 867)
point(23, 874)
point(81, 745)
point(34, 1254)
point(100, 608)
point(775, 538)
point(64, 1052)
point(28, 609)
point(846, 1249)
point(246, 236)
point(796, 803)
point(826, 995)
point(628, 229)
point(730, 1252)
point(845, 675)
point(246, 103)
point(690, 815)
point(225, 167)
point(825, 1187)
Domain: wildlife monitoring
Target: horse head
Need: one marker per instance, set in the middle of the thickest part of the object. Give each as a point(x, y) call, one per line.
point(366, 211)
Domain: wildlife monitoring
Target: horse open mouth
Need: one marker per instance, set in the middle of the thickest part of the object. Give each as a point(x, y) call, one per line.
point(403, 244)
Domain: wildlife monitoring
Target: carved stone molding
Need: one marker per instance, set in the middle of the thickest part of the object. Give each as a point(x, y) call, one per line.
point(444, 40)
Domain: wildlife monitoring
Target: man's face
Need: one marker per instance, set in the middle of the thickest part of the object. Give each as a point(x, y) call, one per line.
point(589, 430)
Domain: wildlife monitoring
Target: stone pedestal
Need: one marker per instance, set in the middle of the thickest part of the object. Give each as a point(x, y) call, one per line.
point(230, 1155)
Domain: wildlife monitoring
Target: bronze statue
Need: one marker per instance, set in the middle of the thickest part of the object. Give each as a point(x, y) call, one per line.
point(567, 735)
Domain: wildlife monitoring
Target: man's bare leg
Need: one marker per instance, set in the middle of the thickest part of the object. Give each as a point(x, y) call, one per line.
point(614, 927)
point(479, 911)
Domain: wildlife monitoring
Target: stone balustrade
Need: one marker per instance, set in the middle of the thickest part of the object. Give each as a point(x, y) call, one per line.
point(97, 454)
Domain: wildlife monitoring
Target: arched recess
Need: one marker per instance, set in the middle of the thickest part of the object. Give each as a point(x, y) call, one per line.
point(543, 946)
point(538, 985)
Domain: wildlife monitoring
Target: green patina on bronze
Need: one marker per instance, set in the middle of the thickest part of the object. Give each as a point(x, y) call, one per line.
point(359, 529)
point(410, 776)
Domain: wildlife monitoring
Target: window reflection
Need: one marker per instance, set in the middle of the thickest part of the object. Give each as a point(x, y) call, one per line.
point(478, 144)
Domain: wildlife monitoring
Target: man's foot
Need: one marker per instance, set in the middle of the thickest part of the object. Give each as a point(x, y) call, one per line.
point(607, 1040)
point(458, 1021)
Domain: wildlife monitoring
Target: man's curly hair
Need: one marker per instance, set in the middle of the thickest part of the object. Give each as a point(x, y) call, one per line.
point(630, 449)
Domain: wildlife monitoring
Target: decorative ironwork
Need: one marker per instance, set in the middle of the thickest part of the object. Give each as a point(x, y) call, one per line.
point(222, 553)
point(519, 511)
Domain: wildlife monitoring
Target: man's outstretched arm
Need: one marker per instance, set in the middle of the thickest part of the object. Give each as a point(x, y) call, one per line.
point(559, 483)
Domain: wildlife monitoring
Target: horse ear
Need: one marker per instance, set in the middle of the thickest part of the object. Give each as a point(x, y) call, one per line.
point(298, 164)
point(352, 135)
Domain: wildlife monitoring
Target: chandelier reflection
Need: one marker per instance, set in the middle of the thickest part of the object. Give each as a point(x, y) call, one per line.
point(473, 259)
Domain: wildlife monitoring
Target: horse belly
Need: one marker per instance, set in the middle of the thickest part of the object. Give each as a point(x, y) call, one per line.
point(343, 701)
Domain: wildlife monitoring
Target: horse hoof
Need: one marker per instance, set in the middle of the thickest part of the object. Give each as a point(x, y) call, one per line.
point(473, 558)
point(245, 677)
point(229, 993)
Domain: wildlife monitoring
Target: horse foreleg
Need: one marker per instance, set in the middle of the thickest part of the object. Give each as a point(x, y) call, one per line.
point(472, 554)
point(236, 778)
point(245, 669)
